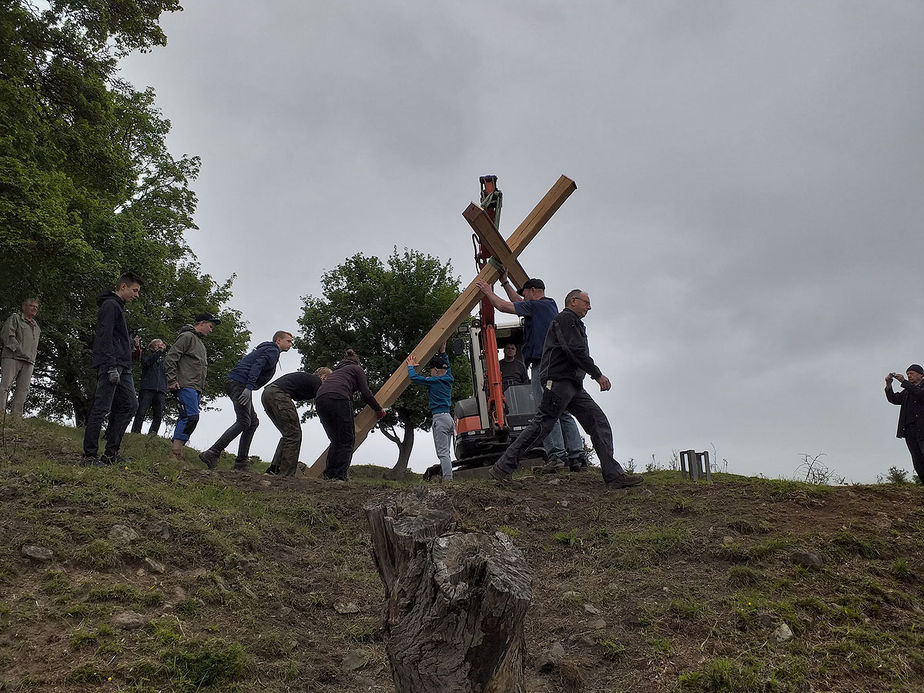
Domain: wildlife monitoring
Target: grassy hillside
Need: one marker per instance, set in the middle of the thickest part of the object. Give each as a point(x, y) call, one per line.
point(166, 577)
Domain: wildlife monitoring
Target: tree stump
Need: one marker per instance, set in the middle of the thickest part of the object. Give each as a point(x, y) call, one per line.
point(454, 601)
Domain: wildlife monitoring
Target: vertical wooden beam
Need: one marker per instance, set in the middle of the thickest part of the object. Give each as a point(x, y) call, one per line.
point(457, 312)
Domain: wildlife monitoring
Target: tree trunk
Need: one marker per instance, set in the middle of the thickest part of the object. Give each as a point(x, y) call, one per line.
point(404, 450)
point(454, 601)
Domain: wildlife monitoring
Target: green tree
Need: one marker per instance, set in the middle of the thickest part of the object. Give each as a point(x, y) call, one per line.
point(88, 189)
point(382, 311)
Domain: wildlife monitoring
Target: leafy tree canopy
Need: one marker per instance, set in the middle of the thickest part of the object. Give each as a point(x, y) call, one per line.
point(382, 311)
point(88, 190)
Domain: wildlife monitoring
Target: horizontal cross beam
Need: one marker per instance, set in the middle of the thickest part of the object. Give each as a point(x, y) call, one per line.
point(482, 225)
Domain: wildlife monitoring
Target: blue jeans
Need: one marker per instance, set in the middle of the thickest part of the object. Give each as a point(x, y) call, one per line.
point(564, 440)
point(187, 400)
point(118, 401)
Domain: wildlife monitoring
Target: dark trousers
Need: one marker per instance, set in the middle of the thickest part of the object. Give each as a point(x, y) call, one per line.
point(282, 412)
point(153, 400)
point(565, 395)
point(336, 414)
point(916, 448)
point(245, 425)
point(118, 401)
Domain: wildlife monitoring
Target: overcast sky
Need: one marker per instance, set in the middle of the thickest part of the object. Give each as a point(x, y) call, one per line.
point(748, 215)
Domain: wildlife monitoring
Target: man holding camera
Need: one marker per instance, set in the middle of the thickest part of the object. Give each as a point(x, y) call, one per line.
point(911, 414)
point(153, 390)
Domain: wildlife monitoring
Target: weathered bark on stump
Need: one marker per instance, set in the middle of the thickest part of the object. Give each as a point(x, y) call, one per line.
point(454, 601)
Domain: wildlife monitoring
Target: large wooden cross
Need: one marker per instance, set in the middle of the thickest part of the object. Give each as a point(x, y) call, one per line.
point(507, 253)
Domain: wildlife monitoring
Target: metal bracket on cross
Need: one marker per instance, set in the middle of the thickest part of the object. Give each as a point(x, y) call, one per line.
point(507, 253)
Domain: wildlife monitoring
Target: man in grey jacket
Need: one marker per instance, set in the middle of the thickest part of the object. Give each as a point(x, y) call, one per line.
point(186, 368)
point(19, 337)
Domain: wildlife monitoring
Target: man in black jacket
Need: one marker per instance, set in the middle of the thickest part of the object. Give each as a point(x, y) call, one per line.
point(565, 361)
point(279, 398)
point(911, 414)
point(153, 389)
point(113, 350)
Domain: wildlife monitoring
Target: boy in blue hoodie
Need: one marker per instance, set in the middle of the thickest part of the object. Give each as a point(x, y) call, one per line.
point(439, 387)
point(251, 373)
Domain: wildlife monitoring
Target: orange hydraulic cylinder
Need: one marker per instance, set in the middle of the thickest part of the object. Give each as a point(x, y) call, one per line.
point(493, 382)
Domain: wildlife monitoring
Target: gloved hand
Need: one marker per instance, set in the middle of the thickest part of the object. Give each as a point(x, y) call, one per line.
point(244, 398)
point(114, 376)
point(380, 414)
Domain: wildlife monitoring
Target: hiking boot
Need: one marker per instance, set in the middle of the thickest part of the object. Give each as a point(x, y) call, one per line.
point(624, 481)
point(92, 461)
point(241, 467)
point(176, 449)
point(553, 466)
point(209, 458)
point(114, 459)
point(499, 475)
point(272, 469)
point(578, 467)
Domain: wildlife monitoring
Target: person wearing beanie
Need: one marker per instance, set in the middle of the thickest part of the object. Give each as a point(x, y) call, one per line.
point(911, 414)
point(439, 389)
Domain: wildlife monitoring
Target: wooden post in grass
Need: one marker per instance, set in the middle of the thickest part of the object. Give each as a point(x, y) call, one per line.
point(454, 601)
point(509, 250)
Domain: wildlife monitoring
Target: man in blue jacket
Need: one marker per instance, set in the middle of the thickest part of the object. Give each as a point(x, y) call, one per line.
point(115, 397)
point(251, 373)
point(439, 387)
point(564, 447)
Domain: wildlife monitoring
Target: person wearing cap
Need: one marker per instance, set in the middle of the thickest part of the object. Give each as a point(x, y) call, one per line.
point(439, 390)
point(566, 361)
point(186, 368)
point(153, 389)
point(911, 414)
point(113, 352)
point(564, 447)
point(279, 398)
point(251, 373)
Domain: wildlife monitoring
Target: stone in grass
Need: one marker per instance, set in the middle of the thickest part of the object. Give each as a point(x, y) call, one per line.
point(128, 620)
point(591, 609)
point(355, 659)
point(38, 553)
point(550, 658)
point(783, 633)
point(807, 560)
point(155, 566)
point(346, 608)
point(122, 533)
point(159, 528)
